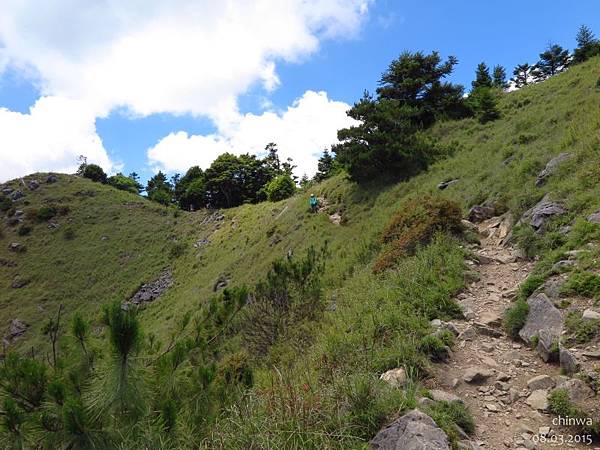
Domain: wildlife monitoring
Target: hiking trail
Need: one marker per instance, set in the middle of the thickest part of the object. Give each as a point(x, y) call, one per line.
point(493, 374)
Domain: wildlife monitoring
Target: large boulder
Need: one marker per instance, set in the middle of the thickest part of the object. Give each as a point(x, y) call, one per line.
point(479, 213)
point(444, 184)
point(568, 361)
point(551, 168)
point(543, 315)
point(413, 431)
point(33, 184)
point(539, 215)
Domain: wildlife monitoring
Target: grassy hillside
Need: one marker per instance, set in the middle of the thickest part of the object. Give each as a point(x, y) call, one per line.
point(323, 393)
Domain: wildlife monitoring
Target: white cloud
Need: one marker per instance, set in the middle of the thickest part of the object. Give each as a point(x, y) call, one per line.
point(49, 138)
point(301, 132)
point(153, 56)
point(181, 56)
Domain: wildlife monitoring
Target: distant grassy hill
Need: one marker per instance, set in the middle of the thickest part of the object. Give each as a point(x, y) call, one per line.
point(108, 242)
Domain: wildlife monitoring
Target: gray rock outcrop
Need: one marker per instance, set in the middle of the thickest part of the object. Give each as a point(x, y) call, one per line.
point(551, 168)
point(413, 431)
point(151, 291)
point(539, 215)
point(479, 213)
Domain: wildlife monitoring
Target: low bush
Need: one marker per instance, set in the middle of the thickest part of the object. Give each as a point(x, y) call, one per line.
point(177, 249)
point(515, 318)
point(586, 284)
point(416, 225)
point(581, 331)
point(24, 230)
point(280, 188)
point(449, 415)
point(560, 404)
point(5, 202)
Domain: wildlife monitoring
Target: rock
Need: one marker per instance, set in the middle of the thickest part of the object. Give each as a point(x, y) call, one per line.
point(443, 185)
point(563, 265)
point(567, 361)
point(335, 218)
point(551, 287)
point(543, 315)
point(16, 195)
point(491, 319)
point(436, 323)
point(480, 213)
point(443, 396)
point(51, 179)
point(201, 243)
point(487, 347)
point(486, 330)
point(33, 185)
point(7, 263)
point(16, 247)
point(551, 168)
point(413, 431)
point(591, 354)
point(151, 291)
point(544, 210)
point(477, 374)
point(491, 407)
point(513, 395)
point(16, 329)
point(540, 382)
point(469, 225)
point(578, 390)
point(394, 377)
point(7, 190)
point(426, 402)
point(19, 282)
point(538, 400)
point(501, 376)
point(594, 217)
point(590, 314)
point(449, 326)
point(547, 346)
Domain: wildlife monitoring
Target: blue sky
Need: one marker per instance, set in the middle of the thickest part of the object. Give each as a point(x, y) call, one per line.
point(335, 52)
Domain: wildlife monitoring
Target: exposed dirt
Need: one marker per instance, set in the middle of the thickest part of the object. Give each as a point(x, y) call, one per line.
point(499, 403)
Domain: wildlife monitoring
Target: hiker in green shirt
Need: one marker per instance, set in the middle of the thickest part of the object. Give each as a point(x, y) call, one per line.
point(314, 202)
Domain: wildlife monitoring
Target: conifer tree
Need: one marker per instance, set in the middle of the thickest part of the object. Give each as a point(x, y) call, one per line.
point(482, 77)
point(553, 60)
point(499, 77)
point(521, 75)
point(587, 45)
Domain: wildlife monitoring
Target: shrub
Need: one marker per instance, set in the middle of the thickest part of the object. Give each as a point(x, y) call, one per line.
point(526, 238)
point(449, 415)
point(280, 188)
point(68, 234)
point(177, 250)
point(581, 331)
point(434, 347)
point(416, 225)
point(123, 183)
point(94, 173)
point(515, 317)
point(586, 284)
point(529, 286)
point(46, 213)
point(5, 202)
point(24, 230)
point(560, 404)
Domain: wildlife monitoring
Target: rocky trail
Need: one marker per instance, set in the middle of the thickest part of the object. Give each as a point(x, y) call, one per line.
point(504, 383)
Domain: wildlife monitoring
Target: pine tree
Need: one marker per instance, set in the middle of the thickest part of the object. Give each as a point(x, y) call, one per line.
point(499, 77)
point(482, 77)
point(521, 75)
point(587, 45)
point(326, 166)
point(552, 61)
